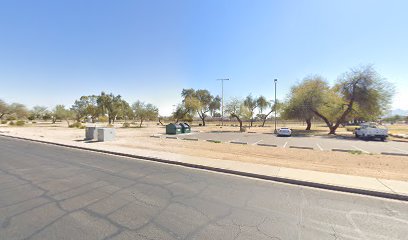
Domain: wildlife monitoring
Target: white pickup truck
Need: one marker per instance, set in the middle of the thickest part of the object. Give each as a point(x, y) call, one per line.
point(371, 131)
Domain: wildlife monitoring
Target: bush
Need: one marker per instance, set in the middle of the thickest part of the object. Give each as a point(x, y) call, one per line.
point(126, 125)
point(33, 122)
point(4, 121)
point(109, 125)
point(11, 118)
point(75, 125)
point(11, 123)
point(20, 123)
point(102, 119)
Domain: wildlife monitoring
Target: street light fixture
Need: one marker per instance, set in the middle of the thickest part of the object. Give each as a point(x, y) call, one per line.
point(276, 105)
point(222, 98)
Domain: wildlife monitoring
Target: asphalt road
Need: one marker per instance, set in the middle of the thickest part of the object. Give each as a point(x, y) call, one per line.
point(49, 192)
point(320, 143)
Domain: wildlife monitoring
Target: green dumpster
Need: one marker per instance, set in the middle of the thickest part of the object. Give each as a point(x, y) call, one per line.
point(173, 128)
point(185, 128)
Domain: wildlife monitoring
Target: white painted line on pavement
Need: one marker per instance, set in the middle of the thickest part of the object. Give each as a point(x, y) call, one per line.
point(257, 142)
point(400, 150)
point(321, 149)
point(364, 151)
point(285, 144)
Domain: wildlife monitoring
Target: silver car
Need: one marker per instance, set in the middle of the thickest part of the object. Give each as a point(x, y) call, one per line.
point(284, 132)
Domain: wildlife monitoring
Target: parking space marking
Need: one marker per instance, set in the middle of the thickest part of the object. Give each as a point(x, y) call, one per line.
point(321, 149)
point(255, 143)
point(364, 151)
point(285, 144)
point(400, 150)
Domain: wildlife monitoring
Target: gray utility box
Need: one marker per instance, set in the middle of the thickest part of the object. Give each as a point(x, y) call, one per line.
point(91, 133)
point(106, 134)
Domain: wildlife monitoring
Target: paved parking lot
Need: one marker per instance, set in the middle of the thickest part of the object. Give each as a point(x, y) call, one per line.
point(320, 143)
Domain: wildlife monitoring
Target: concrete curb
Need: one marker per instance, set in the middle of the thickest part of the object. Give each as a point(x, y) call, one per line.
point(155, 136)
point(213, 141)
point(373, 193)
point(340, 150)
point(308, 148)
point(190, 139)
point(171, 138)
point(242, 143)
point(395, 154)
point(267, 145)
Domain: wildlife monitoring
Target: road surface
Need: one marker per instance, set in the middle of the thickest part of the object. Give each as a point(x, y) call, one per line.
point(50, 192)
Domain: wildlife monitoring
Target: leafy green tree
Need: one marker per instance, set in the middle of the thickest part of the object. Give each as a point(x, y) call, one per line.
point(186, 110)
point(251, 103)
point(215, 105)
point(361, 92)
point(237, 109)
point(61, 113)
point(303, 98)
point(264, 104)
point(19, 110)
point(143, 111)
point(39, 112)
point(111, 105)
point(200, 101)
point(86, 106)
point(4, 109)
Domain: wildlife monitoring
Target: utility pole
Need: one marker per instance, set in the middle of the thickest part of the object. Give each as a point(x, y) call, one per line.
point(275, 103)
point(222, 98)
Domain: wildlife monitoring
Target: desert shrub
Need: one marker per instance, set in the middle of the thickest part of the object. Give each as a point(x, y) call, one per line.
point(4, 121)
point(82, 127)
point(11, 123)
point(109, 125)
point(33, 122)
point(75, 125)
point(126, 125)
point(11, 118)
point(20, 123)
point(102, 119)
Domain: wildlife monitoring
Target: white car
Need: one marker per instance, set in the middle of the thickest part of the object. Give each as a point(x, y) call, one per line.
point(284, 132)
point(371, 131)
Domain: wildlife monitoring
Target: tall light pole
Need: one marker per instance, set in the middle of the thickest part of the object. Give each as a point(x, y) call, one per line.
point(275, 103)
point(222, 98)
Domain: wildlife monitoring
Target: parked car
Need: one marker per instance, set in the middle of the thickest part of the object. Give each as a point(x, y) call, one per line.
point(371, 131)
point(284, 132)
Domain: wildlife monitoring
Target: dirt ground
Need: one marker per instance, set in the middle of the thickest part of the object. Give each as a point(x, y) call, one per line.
point(380, 166)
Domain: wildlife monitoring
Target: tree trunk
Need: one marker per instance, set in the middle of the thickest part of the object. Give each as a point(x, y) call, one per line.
point(328, 123)
point(67, 121)
point(161, 122)
point(141, 122)
point(202, 116)
point(309, 124)
point(266, 116)
point(239, 120)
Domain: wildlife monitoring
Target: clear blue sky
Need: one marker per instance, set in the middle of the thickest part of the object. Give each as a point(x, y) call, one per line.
point(52, 52)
